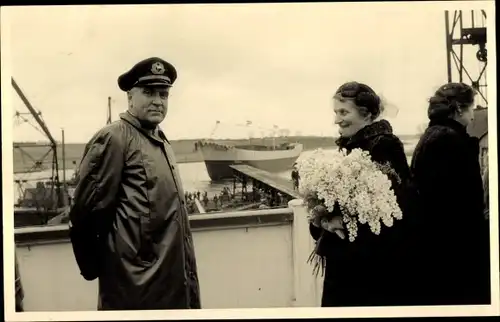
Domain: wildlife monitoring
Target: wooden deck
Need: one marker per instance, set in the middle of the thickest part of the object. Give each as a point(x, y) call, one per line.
point(275, 181)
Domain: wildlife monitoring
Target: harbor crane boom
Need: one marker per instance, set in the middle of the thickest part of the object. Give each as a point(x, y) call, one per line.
point(55, 182)
point(33, 112)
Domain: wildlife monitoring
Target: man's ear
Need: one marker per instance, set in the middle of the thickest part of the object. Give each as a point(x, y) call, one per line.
point(129, 98)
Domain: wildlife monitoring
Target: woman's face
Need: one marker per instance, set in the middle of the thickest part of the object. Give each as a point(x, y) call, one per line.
point(348, 118)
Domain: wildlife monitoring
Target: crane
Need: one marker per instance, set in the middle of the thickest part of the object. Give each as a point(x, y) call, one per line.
point(37, 165)
point(469, 29)
point(461, 31)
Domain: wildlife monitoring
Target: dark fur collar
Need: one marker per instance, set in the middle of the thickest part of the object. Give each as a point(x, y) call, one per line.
point(450, 123)
point(459, 130)
point(381, 127)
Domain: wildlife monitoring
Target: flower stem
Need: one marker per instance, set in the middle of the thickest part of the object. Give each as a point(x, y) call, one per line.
point(317, 260)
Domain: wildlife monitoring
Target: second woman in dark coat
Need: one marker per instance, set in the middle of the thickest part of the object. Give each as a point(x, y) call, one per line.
point(453, 251)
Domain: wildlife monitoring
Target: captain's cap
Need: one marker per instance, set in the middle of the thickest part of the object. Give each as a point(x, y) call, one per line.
point(153, 71)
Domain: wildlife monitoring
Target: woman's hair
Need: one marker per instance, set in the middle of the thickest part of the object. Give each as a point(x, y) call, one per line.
point(363, 96)
point(449, 99)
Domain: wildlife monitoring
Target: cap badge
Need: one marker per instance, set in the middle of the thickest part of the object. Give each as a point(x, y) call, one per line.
point(157, 68)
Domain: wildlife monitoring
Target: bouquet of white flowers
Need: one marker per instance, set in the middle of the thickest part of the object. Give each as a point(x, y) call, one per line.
point(353, 182)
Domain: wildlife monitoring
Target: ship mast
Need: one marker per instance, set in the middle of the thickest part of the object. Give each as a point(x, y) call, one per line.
point(109, 111)
point(65, 187)
point(458, 35)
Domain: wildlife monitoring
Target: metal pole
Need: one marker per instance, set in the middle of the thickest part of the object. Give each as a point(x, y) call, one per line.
point(460, 76)
point(65, 190)
point(448, 44)
point(109, 110)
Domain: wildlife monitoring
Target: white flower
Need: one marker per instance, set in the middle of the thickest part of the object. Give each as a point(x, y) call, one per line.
point(355, 183)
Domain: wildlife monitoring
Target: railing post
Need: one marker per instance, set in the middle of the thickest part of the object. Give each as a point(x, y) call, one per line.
point(307, 287)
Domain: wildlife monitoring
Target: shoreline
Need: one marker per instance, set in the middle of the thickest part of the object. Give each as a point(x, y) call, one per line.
point(184, 150)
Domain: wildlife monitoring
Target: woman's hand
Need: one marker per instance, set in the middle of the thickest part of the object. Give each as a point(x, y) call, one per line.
point(318, 213)
point(321, 218)
point(335, 225)
point(315, 221)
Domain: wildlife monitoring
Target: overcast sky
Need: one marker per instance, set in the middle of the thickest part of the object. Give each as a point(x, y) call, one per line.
point(272, 64)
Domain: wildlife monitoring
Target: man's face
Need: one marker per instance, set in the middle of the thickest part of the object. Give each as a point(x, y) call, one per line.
point(149, 104)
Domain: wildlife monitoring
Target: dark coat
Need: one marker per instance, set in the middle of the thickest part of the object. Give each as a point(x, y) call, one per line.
point(372, 270)
point(454, 247)
point(129, 193)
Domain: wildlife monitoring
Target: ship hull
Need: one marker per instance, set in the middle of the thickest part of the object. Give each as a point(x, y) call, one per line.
point(218, 162)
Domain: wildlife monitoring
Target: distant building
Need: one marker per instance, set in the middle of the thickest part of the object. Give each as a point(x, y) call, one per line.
point(479, 129)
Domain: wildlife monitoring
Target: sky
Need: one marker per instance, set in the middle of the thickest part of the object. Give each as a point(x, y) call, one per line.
point(271, 64)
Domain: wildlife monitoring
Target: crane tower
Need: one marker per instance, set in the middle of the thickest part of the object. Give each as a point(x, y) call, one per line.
point(466, 50)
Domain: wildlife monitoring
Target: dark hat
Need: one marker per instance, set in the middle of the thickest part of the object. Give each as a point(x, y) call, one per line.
point(153, 71)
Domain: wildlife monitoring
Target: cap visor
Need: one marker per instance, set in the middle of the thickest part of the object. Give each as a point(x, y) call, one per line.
point(153, 84)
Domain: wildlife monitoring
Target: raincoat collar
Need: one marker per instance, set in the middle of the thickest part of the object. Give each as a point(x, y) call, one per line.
point(134, 121)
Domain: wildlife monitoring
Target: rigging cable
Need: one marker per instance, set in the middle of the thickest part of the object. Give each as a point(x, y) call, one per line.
point(25, 120)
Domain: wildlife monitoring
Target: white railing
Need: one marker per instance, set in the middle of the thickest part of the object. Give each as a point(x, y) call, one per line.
point(247, 259)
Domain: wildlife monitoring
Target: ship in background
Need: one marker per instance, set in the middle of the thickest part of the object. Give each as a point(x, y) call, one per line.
point(218, 157)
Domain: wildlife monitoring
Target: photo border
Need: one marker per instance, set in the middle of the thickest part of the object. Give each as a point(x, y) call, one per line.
point(8, 236)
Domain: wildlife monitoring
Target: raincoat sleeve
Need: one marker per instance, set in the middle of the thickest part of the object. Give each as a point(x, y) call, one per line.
point(92, 212)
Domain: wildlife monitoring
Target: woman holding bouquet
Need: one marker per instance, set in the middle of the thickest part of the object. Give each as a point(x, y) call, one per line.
point(372, 270)
point(454, 248)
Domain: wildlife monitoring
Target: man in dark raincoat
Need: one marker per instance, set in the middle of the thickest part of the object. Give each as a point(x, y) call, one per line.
point(129, 225)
